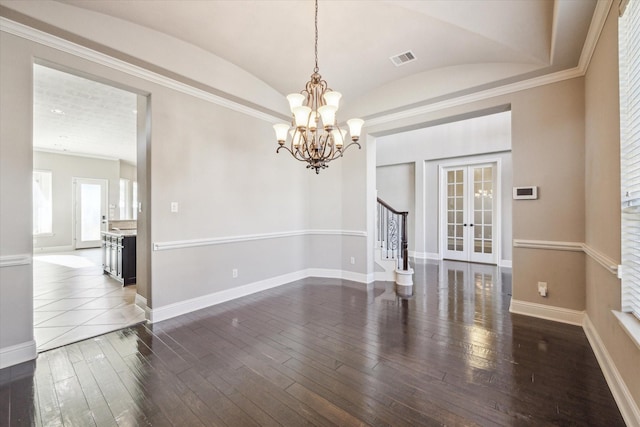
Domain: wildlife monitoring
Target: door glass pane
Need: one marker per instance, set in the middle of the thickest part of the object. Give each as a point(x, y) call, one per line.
point(477, 174)
point(483, 209)
point(90, 199)
point(455, 210)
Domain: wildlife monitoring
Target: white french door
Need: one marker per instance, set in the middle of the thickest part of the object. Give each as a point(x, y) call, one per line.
point(469, 212)
point(90, 202)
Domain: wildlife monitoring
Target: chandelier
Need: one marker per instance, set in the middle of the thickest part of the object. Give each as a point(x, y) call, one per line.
point(316, 138)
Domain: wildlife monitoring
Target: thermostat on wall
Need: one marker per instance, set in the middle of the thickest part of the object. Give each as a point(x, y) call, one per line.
point(525, 193)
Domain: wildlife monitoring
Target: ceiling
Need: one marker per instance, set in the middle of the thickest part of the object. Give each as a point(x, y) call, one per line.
point(460, 46)
point(75, 115)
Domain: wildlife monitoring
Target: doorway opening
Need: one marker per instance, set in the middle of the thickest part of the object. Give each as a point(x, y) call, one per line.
point(86, 134)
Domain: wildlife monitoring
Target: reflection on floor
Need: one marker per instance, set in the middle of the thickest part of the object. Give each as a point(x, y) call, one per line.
point(73, 300)
point(327, 352)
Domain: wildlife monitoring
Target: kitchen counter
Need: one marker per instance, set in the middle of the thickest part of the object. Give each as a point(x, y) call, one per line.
point(115, 232)
point(119, 255)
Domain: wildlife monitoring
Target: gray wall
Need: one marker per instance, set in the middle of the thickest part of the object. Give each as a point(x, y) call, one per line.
point(396, 185)
point(219, 164)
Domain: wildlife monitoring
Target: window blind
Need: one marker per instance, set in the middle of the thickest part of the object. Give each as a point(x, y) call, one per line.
point(629, 60)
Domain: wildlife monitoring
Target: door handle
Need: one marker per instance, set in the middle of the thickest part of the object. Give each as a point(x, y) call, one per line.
point(470, 225)
point(464, 225)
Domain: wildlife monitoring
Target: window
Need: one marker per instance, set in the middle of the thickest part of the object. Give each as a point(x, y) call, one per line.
point(42, 203)
point(629, 58)
point(123, 203)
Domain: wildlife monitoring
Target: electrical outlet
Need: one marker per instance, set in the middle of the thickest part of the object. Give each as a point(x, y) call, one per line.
point(174, 207)
point(542, 289)
point(234, 273)
point(353, 260)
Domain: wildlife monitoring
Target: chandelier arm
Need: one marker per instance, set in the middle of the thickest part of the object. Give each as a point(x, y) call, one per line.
point(292, 153)
point(350, 144)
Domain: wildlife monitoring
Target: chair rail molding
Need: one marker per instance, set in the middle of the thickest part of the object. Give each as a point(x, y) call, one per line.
point(15, 260)
point(192, 243)
point(608, 263)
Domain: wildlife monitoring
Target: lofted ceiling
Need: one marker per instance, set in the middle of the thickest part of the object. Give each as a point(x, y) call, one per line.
point(460, 46)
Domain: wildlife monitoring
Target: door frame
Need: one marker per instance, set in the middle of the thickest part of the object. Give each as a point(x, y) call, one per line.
point(442, 191)
point(76, 199)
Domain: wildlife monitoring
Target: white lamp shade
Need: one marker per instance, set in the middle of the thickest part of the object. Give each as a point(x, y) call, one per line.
point(355, 127)
point(281, 131)
point(332, 98)
point(328, 114)
point(295, 100)
point(301, 115)
point(338, 137)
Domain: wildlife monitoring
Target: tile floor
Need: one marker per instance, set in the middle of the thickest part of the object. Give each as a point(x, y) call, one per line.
point(73, 300)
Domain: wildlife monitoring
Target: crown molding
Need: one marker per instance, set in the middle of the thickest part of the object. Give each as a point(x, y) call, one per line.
point(595, 29)
point(54, 42)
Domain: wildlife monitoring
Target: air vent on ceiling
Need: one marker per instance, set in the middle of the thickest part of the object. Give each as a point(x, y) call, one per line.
point(403, 58)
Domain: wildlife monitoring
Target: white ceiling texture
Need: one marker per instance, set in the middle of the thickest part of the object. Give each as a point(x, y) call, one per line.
point(461, 46)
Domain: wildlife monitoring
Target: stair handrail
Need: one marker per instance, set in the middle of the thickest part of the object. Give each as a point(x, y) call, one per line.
point(404, 244)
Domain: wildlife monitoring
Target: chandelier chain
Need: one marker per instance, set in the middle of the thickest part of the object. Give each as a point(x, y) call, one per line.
point(316, 69)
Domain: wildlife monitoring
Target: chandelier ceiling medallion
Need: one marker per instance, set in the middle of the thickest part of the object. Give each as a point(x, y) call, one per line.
point(315, 136)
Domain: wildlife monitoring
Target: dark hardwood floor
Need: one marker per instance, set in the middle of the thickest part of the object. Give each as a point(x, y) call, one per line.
point(326, 352)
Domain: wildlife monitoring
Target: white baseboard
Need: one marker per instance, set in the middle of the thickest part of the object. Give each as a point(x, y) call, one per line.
point(627, 405)
point(198, 303)
point(52, 249)
point(18, 353)
point(385, 276)
point(433, 255)
point(142, 303)
point(548, 312)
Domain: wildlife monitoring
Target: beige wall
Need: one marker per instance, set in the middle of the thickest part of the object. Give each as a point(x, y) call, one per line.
point(547, 137)
point(602, 204)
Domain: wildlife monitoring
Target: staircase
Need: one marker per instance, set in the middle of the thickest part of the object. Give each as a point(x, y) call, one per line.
point(392, 253)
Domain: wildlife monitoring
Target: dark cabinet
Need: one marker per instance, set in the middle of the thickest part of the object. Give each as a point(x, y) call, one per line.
point(119, 257)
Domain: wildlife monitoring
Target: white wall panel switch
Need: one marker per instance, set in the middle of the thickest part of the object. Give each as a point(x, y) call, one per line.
point(174, 207)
